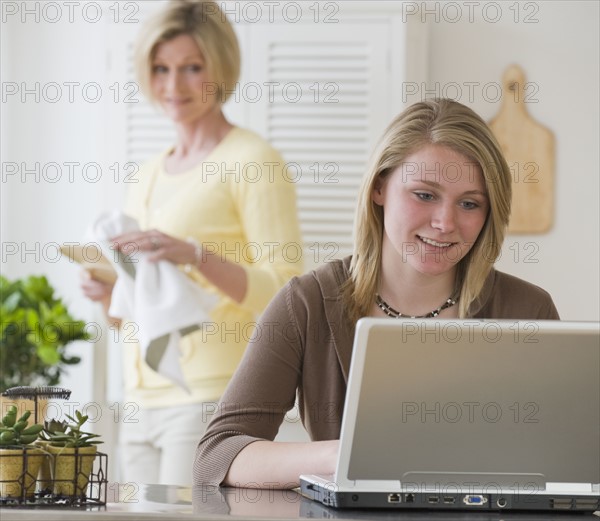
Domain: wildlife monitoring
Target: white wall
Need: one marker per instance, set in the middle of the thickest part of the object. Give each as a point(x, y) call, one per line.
point(51, 204)
point(560, 53)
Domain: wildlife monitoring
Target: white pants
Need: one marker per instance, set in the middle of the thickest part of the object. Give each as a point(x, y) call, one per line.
point(159, 448)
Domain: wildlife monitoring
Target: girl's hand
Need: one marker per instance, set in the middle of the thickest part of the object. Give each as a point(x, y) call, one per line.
point(160, 246)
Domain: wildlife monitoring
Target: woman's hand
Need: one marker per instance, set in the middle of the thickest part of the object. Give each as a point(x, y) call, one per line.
point(94, 289)
point(98, 291)
point(160, 246)
point(229, 277)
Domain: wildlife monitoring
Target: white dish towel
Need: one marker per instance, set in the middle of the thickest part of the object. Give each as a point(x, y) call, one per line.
point(164, 302)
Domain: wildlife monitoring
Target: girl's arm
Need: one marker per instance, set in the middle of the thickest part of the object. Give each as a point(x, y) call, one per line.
point(271, 464)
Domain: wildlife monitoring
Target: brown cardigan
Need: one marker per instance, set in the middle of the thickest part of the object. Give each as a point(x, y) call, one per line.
point(303, 343)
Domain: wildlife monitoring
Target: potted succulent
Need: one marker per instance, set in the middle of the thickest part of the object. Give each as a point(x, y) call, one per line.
point(35, 329)
point(73, 452)
point(19, 461)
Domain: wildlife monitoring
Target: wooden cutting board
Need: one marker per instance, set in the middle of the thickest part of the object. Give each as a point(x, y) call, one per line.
point(529, 150)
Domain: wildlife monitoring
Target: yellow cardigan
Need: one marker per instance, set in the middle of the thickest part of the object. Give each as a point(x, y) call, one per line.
point(241, 203)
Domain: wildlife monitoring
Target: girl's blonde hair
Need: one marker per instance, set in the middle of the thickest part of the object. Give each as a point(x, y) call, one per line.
point(453, 125)
point(208, 26)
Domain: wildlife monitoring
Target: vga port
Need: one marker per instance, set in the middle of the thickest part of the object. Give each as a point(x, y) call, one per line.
point(474, 500)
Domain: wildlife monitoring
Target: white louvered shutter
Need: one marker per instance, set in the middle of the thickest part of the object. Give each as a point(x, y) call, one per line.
point(338, 76)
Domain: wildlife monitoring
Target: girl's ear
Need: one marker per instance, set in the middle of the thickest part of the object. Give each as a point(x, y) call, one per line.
point(378, 191)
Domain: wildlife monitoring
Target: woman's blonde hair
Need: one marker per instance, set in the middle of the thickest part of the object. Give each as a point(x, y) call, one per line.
point(208, 26)
point(453, 125)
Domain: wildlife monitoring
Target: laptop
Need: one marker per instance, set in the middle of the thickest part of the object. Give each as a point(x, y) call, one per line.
point(469, 415)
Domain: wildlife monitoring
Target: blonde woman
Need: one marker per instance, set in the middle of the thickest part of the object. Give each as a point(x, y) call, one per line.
point(431, 218)
point(219, 204)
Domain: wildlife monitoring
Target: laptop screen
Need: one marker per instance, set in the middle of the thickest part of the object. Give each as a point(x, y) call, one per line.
point(455, 402)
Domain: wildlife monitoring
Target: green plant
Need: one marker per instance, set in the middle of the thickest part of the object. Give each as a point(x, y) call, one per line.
point(16, 433)
point(35, 330)
point(63, 434)
point(19, 462)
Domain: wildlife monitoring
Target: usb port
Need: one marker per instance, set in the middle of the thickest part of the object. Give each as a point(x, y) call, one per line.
point(394, 498)
point(433, 500)
point(449, 500)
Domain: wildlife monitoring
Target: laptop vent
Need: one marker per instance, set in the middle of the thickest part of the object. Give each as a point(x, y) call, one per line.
point(561, 504)
point(587, 504)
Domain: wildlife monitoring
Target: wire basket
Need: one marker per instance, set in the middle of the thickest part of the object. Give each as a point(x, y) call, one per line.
point(34, 477)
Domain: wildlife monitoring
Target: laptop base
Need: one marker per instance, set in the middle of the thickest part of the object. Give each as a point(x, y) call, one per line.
point(330, 497)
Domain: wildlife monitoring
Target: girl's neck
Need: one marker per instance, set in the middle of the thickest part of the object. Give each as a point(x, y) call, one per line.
point(414, 293)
